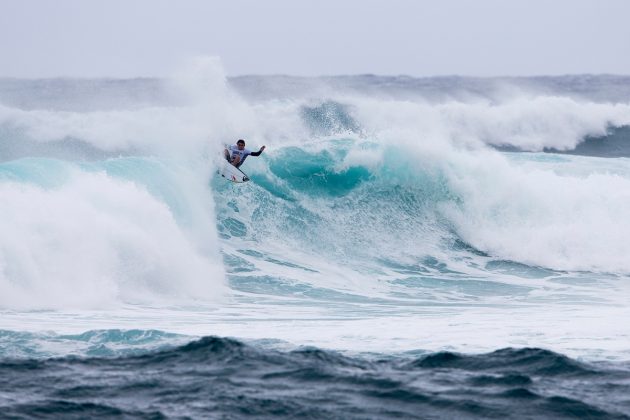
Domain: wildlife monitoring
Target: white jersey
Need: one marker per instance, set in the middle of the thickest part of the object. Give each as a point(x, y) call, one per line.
point(234, 151)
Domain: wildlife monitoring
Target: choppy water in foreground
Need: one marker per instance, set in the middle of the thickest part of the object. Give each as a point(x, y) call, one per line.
point(223, 378)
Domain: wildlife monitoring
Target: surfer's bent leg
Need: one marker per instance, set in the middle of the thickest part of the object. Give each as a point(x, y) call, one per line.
point(236, 160)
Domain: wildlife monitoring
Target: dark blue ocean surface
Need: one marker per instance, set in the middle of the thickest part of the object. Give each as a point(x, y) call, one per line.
point(223, 378)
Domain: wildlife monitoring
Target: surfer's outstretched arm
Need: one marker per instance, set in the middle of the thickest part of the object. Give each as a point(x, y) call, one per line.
point(258, 152)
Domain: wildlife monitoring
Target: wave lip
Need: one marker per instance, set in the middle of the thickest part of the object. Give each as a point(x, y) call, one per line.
point(216, 376)
point(615, 144)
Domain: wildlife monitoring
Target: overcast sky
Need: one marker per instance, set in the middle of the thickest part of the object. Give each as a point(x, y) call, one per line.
point(129, 38)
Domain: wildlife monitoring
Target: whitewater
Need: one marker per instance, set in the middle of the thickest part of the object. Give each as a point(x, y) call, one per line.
point(393, 226)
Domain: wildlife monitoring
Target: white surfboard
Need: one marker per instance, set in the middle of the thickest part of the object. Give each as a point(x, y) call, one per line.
point(231, 172)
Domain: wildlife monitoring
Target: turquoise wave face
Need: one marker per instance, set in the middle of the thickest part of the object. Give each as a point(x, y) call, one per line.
point(43, 172)
point(315, 173)
point(324, 169)
point(327, 206)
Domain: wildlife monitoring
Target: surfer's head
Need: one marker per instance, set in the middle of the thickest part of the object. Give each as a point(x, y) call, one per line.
point(241, 144)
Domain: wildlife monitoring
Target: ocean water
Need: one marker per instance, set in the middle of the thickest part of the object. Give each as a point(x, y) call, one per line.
point(407, 248)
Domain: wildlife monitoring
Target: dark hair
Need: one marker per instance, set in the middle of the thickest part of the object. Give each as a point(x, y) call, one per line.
point(240, 141)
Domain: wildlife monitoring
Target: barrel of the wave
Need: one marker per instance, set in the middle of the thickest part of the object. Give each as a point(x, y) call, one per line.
point(232, 173)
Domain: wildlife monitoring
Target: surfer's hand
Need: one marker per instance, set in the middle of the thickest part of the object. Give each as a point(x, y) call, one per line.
point(262, 148)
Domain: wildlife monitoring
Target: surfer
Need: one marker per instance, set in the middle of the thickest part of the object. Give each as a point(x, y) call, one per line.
point(237, 153)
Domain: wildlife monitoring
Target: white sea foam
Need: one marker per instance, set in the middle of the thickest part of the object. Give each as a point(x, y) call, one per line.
point(96, 241)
